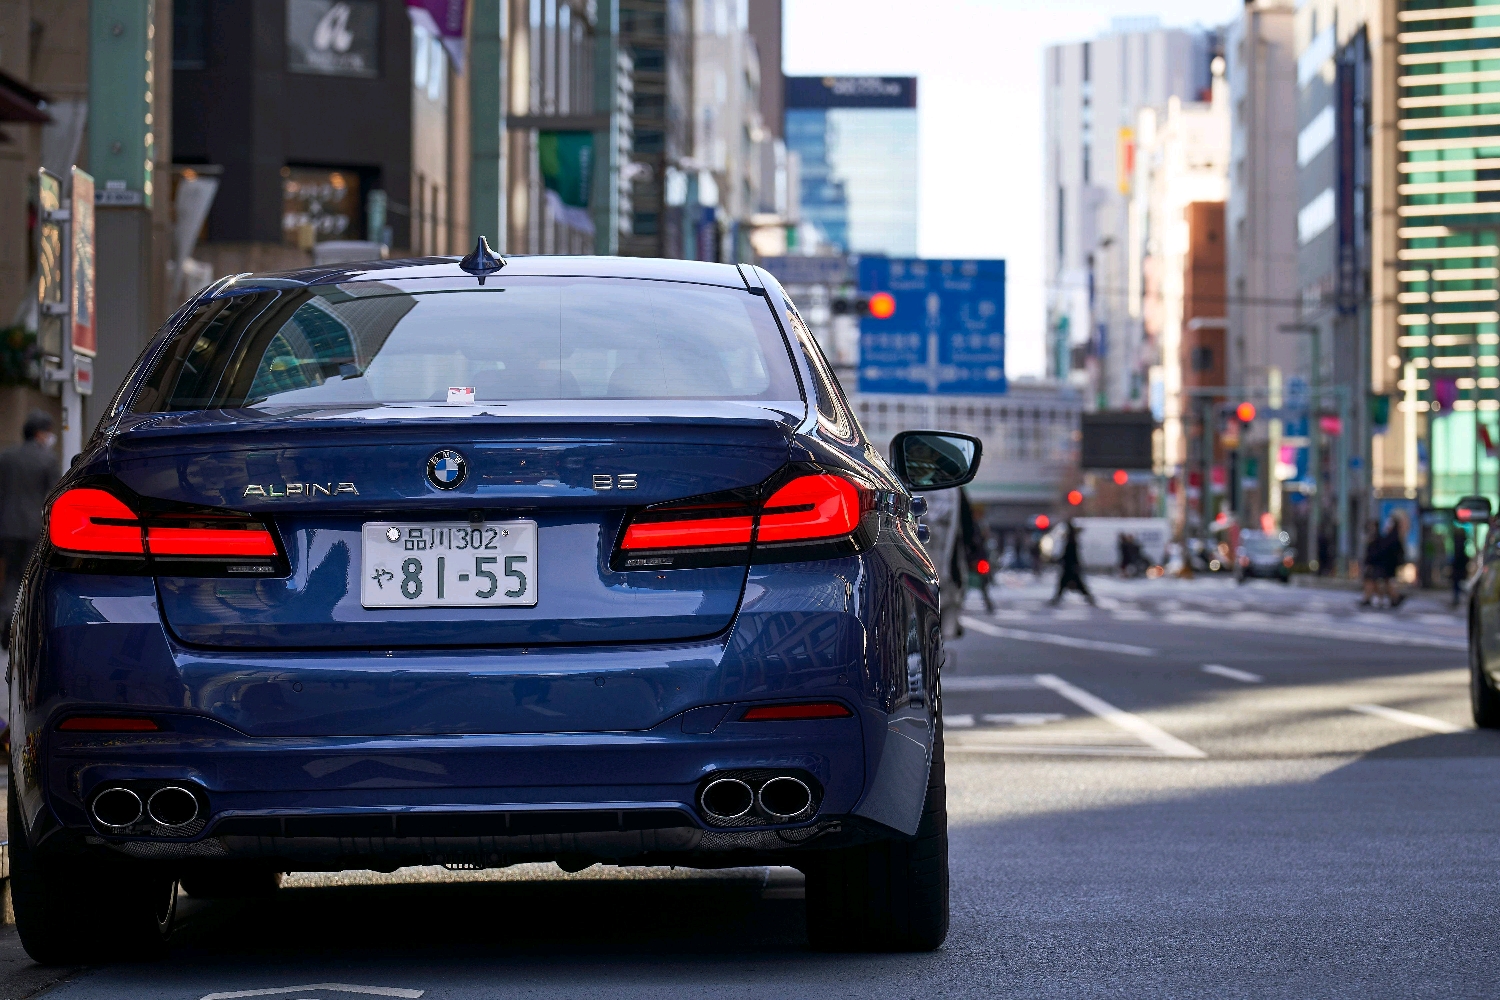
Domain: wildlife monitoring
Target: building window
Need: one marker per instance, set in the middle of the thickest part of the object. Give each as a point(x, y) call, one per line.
point(650, 105)
point(649, 141)
point(190, 34)
point(646, 223)
point(650, 60)
point(1203, 359)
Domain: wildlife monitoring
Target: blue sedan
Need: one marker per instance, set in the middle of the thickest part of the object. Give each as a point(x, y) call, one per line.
point(477, 563)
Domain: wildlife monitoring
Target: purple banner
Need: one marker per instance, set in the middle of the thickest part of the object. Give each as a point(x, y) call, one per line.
point(445, 20)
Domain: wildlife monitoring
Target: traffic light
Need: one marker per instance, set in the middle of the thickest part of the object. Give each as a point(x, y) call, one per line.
point(1042, 522)
point(1075, 497)
point(1245, 412)
point(1121, 477)
point(882, 305)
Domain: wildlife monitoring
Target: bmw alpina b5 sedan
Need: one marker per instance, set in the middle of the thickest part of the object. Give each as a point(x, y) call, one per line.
point(475, 563)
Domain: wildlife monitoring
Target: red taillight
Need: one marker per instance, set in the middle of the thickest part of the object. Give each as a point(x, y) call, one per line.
point(250, 540)
point(810, 507)
point(788, 713)
point(690, 528)
point(107, 724)
point(93, 521)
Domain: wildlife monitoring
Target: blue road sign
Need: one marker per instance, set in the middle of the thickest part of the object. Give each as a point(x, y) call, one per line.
point(947, 332)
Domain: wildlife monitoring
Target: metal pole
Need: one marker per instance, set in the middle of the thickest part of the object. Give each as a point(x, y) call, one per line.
point(1343, 484)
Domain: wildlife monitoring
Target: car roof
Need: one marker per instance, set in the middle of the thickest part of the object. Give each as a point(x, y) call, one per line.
point(660, 269)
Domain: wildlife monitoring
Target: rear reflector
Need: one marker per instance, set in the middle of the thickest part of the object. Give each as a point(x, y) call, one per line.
point(251, 539)
point(107, 724)
point(785, 713)
point(93, 521)
point(809, 508)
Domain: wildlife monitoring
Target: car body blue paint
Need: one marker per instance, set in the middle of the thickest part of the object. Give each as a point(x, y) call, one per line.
point(283, 697)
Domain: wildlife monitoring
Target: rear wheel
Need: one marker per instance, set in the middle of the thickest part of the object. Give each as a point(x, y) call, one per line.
point(1482, 694)
point(891, 895)
point(78, 910)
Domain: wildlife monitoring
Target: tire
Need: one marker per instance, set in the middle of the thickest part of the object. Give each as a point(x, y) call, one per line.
point(1483, 697)
point(230, 883)
point(78, 910)
point(890, 895)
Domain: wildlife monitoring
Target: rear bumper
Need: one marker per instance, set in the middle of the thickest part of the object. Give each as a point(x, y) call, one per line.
point(487, 800)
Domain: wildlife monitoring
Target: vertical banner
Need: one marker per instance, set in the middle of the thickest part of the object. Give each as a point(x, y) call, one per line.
point(84, 329)
point(49, 257)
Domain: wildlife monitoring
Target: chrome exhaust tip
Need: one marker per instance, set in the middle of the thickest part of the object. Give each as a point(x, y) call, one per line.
point(726, 799)
point(172, 806)
point(117, 807)
point(784, 797)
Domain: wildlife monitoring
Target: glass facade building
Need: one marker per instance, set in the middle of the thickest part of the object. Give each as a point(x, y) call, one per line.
point(857, 140)
point(1449, 256)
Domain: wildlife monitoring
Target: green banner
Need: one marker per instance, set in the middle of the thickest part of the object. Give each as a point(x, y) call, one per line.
point(567, 162)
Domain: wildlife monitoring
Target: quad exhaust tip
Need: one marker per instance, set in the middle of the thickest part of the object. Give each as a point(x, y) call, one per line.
point(117, 807)
point(727, 798)
point(172, 806)
point(783, 797)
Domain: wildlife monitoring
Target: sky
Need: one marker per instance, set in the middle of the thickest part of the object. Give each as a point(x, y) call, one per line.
point(979, 101)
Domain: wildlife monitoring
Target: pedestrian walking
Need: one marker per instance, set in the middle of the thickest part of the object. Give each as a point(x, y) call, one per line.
point(1375, 585)
point(28, 471)
point(1460, 562)
point(1072, 568)
point(1394, 552)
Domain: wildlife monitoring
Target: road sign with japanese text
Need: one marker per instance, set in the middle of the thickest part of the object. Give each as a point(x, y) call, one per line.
point(946, 334)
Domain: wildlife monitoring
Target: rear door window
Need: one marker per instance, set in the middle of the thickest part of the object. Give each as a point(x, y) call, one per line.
point(521, 339)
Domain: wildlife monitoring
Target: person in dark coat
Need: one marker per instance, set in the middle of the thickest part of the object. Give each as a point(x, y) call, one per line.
point(1393, 551)
point(28, 471)
point(1460, 562)
point(1072, 568)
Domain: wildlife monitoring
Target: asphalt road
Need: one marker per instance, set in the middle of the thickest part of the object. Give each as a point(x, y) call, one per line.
point(1193, 790)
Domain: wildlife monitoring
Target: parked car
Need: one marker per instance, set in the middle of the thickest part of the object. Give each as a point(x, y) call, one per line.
point(1484, 614)
point(480, 562)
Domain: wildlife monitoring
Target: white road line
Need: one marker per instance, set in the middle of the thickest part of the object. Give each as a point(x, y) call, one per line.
point(992, 682)
point(369, 991)
point(1133, 724)
point(1408, 718)
point(1021, 718)
point(1243, 676)
point(1056, 640)
point(958, 721)
point(1041, 750)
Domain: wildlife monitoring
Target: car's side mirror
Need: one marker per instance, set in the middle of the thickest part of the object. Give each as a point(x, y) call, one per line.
point(1472, 510)
point(935, 460)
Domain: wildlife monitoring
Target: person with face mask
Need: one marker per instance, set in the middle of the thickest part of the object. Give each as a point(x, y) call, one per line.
point(28, 471)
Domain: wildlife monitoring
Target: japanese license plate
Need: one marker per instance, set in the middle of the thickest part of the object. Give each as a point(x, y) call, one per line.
point(439, 564)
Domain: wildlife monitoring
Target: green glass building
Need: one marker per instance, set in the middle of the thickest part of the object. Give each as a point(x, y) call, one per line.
point(1449, 256)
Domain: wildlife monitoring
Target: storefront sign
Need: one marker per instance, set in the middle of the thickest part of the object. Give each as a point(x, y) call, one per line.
point(333, 37)
point(319, 205)
point(85, 334)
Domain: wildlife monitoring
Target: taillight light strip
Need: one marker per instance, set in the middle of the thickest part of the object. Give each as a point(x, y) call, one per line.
point(815, 507)
point(87, 521)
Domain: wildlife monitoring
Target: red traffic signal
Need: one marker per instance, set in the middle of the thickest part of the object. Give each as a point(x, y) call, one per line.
point(1245, 412)
point(982, 567)
point(1042, 522)
point(1121, 477)
point(1075, 498)
point(882, 305)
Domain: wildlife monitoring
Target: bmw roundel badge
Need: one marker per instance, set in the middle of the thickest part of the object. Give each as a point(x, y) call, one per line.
point(447, 469)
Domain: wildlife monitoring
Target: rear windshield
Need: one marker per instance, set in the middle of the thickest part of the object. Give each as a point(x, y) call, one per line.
point(523, 338)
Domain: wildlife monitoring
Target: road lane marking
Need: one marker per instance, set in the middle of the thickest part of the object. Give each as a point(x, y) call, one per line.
point(1243, 676)
point(369, 991)
point(1043, 750)
point(1138, 727)
point(958, 721)
point(1408, 718)
point(1021, 718)
point(1056, 640)
point(991, 682)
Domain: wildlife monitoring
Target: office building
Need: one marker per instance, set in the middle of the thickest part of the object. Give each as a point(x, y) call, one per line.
point(856, 142)
point(1093, 93)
